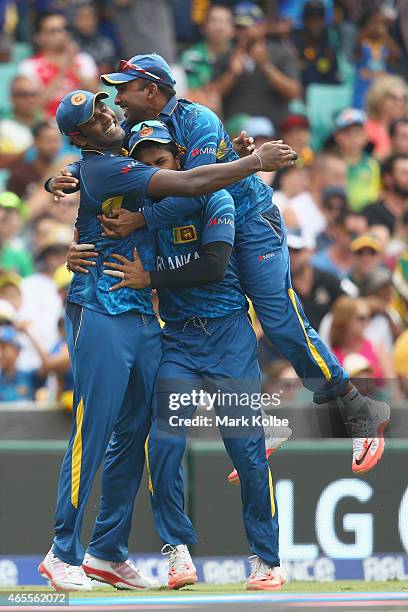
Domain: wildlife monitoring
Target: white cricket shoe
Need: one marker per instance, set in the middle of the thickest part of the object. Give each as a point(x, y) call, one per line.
point(124, 575)
point(63, 576)
point(182, 570)
point(264, 577)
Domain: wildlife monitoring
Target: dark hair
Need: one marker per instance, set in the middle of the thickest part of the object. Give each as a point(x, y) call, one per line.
point(395, 124)
point(167, 91)
point(387, 167)
point(366, 16)
point(151, 144)
point(40, 126)
point(41, 17)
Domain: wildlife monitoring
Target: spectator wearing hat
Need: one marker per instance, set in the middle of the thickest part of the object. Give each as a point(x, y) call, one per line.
point(334, 200)
point(317, 289)
point(401, 362)
point(295, 131)
point(366, 253)
point(363, 171)
point(316, 47)
point(262, 130)
point(16, 128)
point(86, 34)
point(58, 66)
point(26, 175)
point(42, 304)
point(337, 258)
point(10, 289)
point(15, 384)
point(390, 209)
point(259, 76)
point(361, 373)
point(398, 132)
point(13, 255)
point(375, 52)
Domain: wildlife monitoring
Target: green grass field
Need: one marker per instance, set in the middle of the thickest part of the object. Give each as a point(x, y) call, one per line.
point(339, 586)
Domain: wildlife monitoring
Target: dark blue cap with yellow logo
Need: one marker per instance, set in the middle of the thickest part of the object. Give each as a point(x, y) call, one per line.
point(76, 108)
point(154, 130)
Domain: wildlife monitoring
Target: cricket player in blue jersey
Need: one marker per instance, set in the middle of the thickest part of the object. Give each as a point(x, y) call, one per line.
point(145, 90)
point(110, 333)
point(208, 343)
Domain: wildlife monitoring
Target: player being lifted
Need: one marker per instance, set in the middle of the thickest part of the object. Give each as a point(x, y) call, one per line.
point(145, 90)
point(114, 337)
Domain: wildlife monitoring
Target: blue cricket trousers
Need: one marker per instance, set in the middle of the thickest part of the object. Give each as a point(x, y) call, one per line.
point(264, 270)
point(217, 355)
point(114, 361)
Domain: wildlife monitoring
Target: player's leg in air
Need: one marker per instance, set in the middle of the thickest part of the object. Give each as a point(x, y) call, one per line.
point(103, 352)
point(264, 266)
point(222, 353)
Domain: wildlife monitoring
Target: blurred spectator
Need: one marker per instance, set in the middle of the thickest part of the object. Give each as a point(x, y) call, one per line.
point(293, 10)
point(15, 384)
point(398, 132)
point(289, 183)
point(15, 130)
point(316, 47)
point(390, 209)
point(218, 32)
point(88, 38)
point(334, 200)
point(8, 24)
point(337, 258)
point(259, 76)
point(347, 335)
point(361, 373)
point(317, 289)
point(261, 129)
point(366, 253)
point(400, 297)
point(42, 304)
point(375, 51)
point(376, 288)
point(145, 26)
point(401, 362)
point(13, 255)
point(363, 172)
point(58, 67)
point(25, 175)
point(295, 131)
point(10, 289)
point(306, 210)
point(386, 101)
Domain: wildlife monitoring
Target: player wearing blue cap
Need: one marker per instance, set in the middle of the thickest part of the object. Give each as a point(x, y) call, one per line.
point(117, 378)
point(208, 343)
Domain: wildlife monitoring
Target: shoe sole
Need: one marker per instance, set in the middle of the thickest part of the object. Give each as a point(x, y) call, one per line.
point(260, 587)
point(378, 455)
point(111, 579)
point(233, 477)
point(184, 581)
point(44, 573)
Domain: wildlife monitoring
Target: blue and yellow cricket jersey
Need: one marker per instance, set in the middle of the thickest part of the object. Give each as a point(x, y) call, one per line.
point(108, 182)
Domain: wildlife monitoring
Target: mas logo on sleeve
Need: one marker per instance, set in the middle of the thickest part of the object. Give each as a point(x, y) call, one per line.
point(187, 233)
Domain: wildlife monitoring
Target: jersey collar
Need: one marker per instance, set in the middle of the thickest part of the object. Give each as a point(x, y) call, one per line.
point(169, 109)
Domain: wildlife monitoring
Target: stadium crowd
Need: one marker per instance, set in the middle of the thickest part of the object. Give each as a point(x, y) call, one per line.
point(329, 78)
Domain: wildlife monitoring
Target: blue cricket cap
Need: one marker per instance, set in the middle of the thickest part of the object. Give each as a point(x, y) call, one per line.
point(349, 117)
point(154, 130)
point(76, 108)
point(9, 335)
point(151, 67)
point(247, 14)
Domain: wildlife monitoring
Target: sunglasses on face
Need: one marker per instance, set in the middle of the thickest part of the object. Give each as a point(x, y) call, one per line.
point(25, 94)
point(125, 66)
point(363, 252)
point(363, 318)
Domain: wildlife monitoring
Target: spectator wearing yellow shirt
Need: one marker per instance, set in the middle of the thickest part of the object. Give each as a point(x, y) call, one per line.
point(363, 171)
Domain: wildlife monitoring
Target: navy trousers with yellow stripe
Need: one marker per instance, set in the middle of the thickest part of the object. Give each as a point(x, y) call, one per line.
point(264, 270)
point(218, 356)
point(114, 361)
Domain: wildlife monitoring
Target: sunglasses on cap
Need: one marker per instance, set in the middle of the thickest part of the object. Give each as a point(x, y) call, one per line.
point(125, 66)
